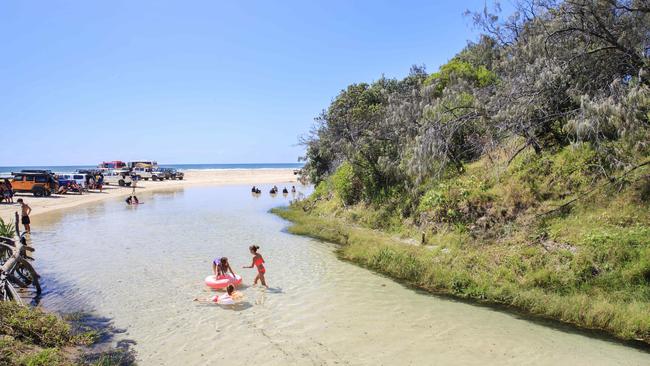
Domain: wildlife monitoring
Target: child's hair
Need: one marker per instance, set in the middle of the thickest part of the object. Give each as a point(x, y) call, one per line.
point(254, 248)
point(230, 289)
point(20, 200)
point(224, 260)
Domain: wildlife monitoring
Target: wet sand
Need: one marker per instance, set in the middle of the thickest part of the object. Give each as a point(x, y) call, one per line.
point(141, 266)
point(43, 205)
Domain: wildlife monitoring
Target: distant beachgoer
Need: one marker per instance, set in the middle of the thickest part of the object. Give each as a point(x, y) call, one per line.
point(63, 189)
point(293, 189)
point(258, 191)
point(254, 190)
point(258, 262)
point(100, 182)
point(230, 297)
point(285, 190)
point(8, 193)
point(25, 211)
point(220, 267)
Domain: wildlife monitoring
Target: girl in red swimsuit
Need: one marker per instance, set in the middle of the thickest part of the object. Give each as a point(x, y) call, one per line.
point(258, 262)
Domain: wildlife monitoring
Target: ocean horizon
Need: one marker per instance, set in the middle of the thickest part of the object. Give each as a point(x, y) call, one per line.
point(183, 167)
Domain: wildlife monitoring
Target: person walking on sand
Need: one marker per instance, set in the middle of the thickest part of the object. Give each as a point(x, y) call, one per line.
point(258, 262)
point(24, 217)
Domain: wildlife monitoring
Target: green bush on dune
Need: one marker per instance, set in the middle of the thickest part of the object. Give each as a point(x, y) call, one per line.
point(517, 174)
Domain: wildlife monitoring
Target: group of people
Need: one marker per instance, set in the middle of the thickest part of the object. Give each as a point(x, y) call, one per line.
point(221, 267)
point(95, 181)
point(274, 190)
point(70, 186)
point(6, 192)
point(133, 199)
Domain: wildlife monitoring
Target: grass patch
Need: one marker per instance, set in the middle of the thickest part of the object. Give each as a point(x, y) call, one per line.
point(492, 235)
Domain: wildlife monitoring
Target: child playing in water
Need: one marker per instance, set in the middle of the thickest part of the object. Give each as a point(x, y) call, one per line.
point(220, 267)
point(258, 262)
point(230, 297)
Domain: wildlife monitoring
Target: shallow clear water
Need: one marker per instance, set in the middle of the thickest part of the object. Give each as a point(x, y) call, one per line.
point(142, 266)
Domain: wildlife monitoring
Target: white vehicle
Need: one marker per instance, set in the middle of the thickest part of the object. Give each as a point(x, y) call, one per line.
point(120, 177)
point(79, 178)
point(142, 173)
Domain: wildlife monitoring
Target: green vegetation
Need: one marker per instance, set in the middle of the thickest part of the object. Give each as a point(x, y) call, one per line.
point(7, 229)
point(518, 174)
point(31, 337)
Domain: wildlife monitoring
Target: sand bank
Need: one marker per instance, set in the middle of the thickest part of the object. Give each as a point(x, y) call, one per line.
point(42, 205)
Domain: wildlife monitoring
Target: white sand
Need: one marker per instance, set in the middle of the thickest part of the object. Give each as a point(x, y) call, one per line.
point(42, 205)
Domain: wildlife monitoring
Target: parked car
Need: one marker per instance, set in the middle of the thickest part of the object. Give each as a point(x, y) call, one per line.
point(176, 174)
point(142, 173)
point(120, 177)
point(38, 182)
point(79, 178)
point(159, 174)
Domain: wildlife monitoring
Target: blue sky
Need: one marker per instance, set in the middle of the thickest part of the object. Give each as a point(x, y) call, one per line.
point(198, 81)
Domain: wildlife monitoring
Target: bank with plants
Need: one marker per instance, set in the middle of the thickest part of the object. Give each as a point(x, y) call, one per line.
point(516, 174)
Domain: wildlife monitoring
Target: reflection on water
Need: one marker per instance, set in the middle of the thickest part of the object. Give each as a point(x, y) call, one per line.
point(142, 266)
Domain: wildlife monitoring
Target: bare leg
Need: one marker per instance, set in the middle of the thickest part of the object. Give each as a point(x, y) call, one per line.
point(256, 278)
point(261, 277)
point(27, 228)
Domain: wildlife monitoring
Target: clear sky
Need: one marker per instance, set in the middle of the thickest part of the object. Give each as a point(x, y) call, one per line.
point(198, 81)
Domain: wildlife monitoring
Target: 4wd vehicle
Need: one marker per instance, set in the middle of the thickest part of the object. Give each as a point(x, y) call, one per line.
point(142, 173)
point(120, 177)
point(79, 178)
point(160, 174)
point(175, 174)
point(38, 182)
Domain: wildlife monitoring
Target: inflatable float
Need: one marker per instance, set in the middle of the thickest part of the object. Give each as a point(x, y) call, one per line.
point(222, 281)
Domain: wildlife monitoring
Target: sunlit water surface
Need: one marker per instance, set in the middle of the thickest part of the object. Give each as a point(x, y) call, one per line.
point(142, 266)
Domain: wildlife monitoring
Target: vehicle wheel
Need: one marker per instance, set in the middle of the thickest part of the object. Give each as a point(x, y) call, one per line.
point(128, 184)
point(154, 178)
point(38, 191)
point(146, 178)
point(180, 178)
point(121, 182)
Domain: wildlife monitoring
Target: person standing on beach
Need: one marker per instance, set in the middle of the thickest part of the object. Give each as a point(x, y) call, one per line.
point(100, 182)
point(24, 217)
point(8, 192)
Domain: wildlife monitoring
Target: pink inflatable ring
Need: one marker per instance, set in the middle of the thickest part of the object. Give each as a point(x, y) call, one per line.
point(222, 281)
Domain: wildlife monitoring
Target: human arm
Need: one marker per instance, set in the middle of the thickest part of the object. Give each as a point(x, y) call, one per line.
point(252, 264)
point(29, 210)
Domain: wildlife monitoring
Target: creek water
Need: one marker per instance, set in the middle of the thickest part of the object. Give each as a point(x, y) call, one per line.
point(142, 266)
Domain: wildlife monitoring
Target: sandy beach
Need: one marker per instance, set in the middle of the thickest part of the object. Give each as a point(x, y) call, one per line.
point(43, 205)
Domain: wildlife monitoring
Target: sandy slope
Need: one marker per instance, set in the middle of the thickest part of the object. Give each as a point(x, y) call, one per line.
point(192, 178)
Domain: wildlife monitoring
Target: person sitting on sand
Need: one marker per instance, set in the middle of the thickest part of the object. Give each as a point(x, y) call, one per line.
point(63, 189)
point(230, 297)
point(220, 267)
point(258, 262)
